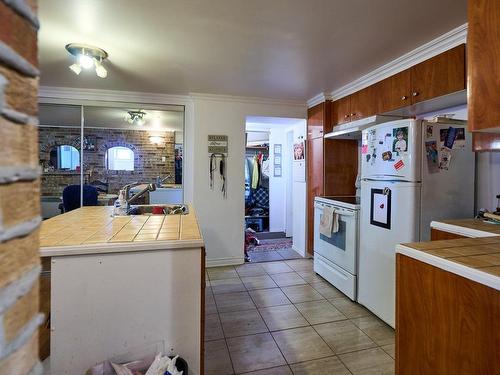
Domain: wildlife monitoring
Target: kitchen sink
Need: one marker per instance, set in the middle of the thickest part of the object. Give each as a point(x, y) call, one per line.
point(155, 209)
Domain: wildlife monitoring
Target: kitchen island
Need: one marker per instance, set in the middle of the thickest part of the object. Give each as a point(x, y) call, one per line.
point(450, 229)
point(119, 284)
point(448, 306)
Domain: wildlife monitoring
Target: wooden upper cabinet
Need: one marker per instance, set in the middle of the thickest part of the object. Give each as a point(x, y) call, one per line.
point(315, 121)
point(483, 66)
point(394, 92)
point(341, 110)
point(364, 102)
point(439, 75)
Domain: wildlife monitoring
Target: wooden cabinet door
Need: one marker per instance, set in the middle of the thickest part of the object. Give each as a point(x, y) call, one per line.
point(314, 184)
point(439, 75)
point(394, 92)
point(483, 67)
point(364, 102)
point(315, 121)
point(341, 110)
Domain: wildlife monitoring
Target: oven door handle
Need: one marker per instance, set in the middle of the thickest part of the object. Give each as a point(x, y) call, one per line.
point(337, 210)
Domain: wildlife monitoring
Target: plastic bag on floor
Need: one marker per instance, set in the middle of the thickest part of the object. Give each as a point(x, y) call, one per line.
point(163, 365)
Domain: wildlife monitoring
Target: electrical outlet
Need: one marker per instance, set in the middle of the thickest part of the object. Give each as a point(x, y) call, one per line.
point(163, 158)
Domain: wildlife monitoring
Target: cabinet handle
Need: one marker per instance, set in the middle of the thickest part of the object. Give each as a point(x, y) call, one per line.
point(346, 116)
point(415, 93)
point(404, 97)
point(352, 114)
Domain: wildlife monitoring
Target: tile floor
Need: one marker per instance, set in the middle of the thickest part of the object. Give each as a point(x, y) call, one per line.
point(280, 318)
point(273, 255)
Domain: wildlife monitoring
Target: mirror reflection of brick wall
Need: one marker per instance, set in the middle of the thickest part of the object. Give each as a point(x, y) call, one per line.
point(148, 156)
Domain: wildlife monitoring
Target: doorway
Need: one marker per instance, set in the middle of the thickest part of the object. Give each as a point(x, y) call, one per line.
point(269, 213)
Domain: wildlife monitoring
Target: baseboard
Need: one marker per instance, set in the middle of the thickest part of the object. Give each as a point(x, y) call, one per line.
point(219, 262)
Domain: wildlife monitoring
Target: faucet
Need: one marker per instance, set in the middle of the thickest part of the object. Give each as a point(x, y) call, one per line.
point(160, 180)
point(126, 190)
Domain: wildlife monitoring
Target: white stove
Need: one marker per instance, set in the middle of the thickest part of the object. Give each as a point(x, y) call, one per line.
point(336, 257)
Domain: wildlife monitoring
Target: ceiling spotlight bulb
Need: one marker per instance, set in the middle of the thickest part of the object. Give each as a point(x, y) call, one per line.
point(85, 61)
point(100, 70)
point(86, 57)
point(76, 68)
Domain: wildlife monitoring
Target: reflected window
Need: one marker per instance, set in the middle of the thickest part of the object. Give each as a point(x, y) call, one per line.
point(65, 157)
point(120, 159)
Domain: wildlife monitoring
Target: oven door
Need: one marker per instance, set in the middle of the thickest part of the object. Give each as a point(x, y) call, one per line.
point(341, 247)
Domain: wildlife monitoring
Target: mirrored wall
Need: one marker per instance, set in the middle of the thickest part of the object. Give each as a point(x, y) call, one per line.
point(88, 153)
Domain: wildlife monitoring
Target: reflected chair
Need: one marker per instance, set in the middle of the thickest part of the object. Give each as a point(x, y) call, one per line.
point(71, 197)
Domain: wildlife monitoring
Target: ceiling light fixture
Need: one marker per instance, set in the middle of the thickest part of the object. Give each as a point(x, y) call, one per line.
point(86, 57)
point(136, 117)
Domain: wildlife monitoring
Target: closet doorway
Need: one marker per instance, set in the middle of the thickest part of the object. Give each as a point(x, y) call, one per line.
point(268, 183)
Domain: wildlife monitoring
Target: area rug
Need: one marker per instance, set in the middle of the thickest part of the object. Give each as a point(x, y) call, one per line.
point(273, 244)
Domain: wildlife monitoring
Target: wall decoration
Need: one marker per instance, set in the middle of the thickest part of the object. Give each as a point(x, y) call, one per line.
point(277, 160)
point(299, 150)
point(218, 144)
point(299, 160)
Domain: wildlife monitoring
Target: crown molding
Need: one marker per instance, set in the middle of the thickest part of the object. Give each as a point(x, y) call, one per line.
point(46, 93)
point(430, 49)
point(320, 98)
point(436, 46)
point(246, 99)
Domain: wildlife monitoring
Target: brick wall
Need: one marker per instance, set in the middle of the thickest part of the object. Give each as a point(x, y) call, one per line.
point(147, 164)
point(19, 189)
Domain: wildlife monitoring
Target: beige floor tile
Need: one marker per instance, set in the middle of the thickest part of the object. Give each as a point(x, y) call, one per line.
point(269, 297)
point(258, 282)
point(301, 344)
point(288, 279)
point(213, 328)
point(210, 307)
point(276, 267)
point(282, 317)
point(217, 273)
point(327, 290)
point(317, 312)
point(250, 270)
point(255, 352)
point(376, 329)
point(369, 362)
point(349, 308)
point(390, 349)
point(343, 336)
point(241, 323)
point(217, 361)
point(301, 293)
point(300, 264)
point(239, 301)
point(281, 370)
point(324, 366)
point(227, 286)
point(311, 276)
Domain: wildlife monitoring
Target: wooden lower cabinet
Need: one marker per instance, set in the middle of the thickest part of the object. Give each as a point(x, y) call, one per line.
point(44, 330)
point(445, 323)
point(437, 235)
point(315, 184)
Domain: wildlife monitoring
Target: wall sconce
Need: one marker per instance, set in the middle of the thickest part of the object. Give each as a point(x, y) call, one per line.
point(136, 117)
point(156, 140)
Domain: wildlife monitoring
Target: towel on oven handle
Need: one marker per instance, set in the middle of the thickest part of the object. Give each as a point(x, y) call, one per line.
point(329, 222)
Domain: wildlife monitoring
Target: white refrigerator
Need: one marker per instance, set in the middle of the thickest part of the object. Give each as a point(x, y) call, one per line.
point(412, 172)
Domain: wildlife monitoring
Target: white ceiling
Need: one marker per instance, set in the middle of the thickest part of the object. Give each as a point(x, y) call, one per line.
point(287, 49)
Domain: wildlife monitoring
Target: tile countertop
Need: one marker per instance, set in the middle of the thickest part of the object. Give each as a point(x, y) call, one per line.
point(468, 227)
point(477, 259)
point(89, 230)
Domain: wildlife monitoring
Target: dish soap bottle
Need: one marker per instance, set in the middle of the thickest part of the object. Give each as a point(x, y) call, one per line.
point(120, 206)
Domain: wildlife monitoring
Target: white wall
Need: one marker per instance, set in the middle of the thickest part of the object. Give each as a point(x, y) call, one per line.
point(299, 200)
point(487, 166)
point(222, 220)
point(277, 185)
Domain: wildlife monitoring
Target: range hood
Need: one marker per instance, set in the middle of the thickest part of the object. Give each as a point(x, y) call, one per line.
point(352, 130)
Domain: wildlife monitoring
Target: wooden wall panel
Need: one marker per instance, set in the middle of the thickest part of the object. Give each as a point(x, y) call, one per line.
point(341, 166)
point(483, 66)
point(315, 182)
point(445, 324)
